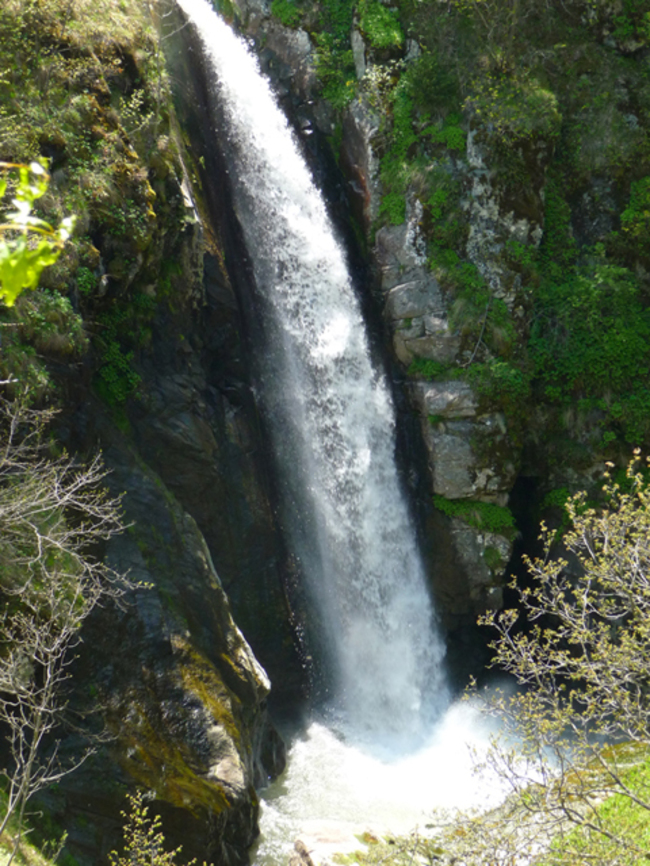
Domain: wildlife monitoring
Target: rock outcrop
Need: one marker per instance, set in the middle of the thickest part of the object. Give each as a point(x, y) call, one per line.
point(470, 454)
point(181, 693)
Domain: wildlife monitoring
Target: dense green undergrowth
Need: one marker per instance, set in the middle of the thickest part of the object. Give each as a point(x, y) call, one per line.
point(82, 84)
point(485, 516)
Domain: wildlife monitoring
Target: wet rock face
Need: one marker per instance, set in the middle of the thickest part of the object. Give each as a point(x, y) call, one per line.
point(470, 453)
point(414, 307)
point(360, 162)
point(182, 695)
point(202, 432)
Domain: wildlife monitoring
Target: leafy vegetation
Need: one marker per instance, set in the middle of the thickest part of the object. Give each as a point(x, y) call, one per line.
point(481, 515)
point(583, 721)
point(28, 244)
point(590, 337)
point(124, 328)
point(426, 368)
point(94, 99)
point(286, 12)
point(501, 383)
point(380, 24)
point(44, 321)
point(144, 841)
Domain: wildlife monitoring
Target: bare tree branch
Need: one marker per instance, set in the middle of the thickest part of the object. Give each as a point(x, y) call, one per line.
point(54, 515)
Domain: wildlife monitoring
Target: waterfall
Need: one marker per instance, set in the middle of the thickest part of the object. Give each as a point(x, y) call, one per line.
point(330, 416)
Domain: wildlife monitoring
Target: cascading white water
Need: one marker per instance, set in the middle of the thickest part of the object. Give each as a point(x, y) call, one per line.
point(329, 410)
point(384, 763)
point(330, 413)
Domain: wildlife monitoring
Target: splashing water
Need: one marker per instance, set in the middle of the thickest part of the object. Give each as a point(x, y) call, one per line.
point(332, 791)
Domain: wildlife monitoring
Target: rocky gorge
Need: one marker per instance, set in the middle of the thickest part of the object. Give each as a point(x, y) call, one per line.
point(460, 193)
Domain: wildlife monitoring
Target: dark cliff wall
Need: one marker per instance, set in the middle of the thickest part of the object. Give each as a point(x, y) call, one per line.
point(136, 336)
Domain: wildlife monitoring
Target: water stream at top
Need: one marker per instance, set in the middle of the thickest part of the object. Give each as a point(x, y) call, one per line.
point(332, 422)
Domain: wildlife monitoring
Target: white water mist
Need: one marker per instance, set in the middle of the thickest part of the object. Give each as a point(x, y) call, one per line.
point(330, 414)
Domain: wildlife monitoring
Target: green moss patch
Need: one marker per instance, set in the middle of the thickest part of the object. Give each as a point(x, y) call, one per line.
point(481, 515)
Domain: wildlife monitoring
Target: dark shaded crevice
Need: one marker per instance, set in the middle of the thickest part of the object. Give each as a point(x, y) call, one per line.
point(259, 585)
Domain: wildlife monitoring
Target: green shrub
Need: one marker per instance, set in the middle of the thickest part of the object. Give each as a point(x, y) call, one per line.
point(427, 368)
point(86, 282)
point(333, 56)
point(514, 108)
point(115, 380)
point(144, 841)
point(632, 22)
point(480, 515)
point(396, 166)
point(500, 382)
point(125, 327)
point(286, 12)
point(50, 324)
point(438, 86)
point(448, 228)
point(335, 69)
point(591, 338)
point(635, 219)
point(449, 133)
point(492, 558)
point(380, 24)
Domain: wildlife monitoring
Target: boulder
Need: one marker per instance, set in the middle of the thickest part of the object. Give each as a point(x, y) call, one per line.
point(453, 399)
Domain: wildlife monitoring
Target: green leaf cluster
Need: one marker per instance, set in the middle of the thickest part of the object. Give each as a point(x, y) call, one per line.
point(330, 24)
point(427, 368)
point(493, 558)
point(286, 12)
point(335, 68)
point(448, 133)
point(28, 244)
point(380, 24)
point(501, 382)
point(125, 327)
point(591, 339)
point(144, 841)
point(396, 165)
point(632, 22)
point(481, 515)
point(515, 108)
point(635, 219)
